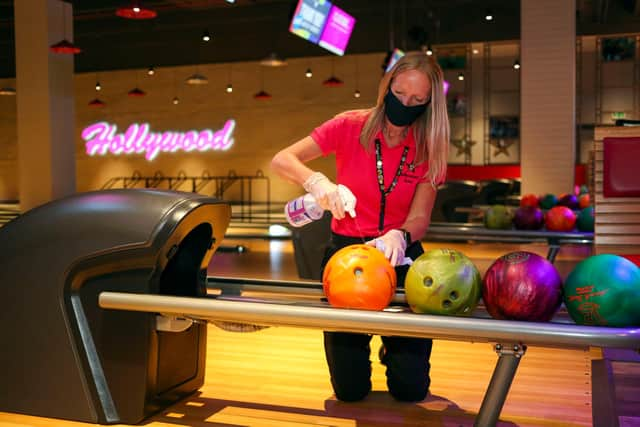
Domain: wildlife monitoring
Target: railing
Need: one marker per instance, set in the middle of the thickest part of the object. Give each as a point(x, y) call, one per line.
point(199, 184)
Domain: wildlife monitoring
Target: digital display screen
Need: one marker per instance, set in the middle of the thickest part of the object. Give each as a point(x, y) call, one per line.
point(309, 19)
point(322, 23)
point(337, 31)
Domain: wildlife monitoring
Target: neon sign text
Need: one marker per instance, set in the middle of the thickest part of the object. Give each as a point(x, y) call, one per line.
point(101, 138)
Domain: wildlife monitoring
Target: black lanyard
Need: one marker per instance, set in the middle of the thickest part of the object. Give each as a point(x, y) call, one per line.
point(383, 192)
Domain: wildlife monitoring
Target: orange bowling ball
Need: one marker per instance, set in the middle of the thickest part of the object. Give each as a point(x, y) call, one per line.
point(359, 276)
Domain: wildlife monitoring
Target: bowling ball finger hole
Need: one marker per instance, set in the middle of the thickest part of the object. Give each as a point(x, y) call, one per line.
point(427, 281)
point(453, 295)
point(446, 303)
point(357, 271)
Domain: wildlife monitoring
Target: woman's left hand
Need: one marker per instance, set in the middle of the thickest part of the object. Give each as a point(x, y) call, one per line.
point(392, 244)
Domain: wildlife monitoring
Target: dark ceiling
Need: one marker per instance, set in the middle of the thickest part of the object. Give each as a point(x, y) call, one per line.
point(251, 29)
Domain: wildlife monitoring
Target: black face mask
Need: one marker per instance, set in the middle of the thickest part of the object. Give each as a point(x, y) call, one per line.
point(399, 114)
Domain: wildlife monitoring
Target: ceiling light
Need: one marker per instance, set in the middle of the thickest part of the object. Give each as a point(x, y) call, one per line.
point(475, 51)
point(98, 87)
point(429, 51)
point(273, 61)
point(356, 94)
point(136, 93)
point(175, 100)
point(151, 71)
point(205, 36)
point(197, 79)
point(229, 88)
point(516, 65)
point(488, 16)
point(461, 76)
point(308, 74)
point(96, 103)
point(7, 91)
point(134, 11)
point(65, 46)
point(262, 95)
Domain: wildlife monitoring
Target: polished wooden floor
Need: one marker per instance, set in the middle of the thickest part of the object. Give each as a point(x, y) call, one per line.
point(278, 376)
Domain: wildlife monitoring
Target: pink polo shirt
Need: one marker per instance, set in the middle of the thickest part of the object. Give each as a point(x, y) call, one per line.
point(356, 169)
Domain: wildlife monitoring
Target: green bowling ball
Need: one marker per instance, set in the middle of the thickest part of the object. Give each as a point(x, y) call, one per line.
point(443, 281)
point(548, 201)
point(604, 290)
point(498, 217)
point(586, 219)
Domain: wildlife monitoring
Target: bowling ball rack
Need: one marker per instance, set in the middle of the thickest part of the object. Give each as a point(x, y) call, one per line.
point(478, 232)
point(509, 338)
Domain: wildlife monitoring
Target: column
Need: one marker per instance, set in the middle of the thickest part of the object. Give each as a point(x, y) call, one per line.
point(45, 102)
point(548, 92)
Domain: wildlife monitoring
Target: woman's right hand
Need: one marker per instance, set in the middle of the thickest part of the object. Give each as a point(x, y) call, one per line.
point(325, 193)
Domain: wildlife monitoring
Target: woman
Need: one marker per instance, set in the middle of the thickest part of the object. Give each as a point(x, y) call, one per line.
point(391, 157)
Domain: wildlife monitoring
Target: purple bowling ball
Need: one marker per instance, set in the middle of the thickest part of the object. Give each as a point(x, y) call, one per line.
point(570, 201)
point(522, 285)
point(528, 218)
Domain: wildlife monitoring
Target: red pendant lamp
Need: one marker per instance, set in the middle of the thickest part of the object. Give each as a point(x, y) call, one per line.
point(135, 11)
point(64, 46)
point(136, 93)
point(262, 96)
point(96, 103)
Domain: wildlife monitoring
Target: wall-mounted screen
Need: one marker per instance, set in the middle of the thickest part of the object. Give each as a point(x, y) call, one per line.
point(322, 23)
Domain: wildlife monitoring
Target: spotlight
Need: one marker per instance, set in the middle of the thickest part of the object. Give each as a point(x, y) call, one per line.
point(429, 51)
point(461, 76)
point(516, 65)
point(175, 100)
point(151, 71)
point(98, 87)
point(205, 36)
point(488, 16)
point(308, 74)
point(356, 94)
point(229, 88)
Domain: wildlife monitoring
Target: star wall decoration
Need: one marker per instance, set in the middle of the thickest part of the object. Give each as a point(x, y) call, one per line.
point(463, 146)
point(502, 146)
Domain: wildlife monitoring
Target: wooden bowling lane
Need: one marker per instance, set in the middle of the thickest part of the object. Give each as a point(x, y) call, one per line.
point(278, 377)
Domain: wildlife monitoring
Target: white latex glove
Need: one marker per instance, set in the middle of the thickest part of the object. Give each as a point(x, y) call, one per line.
point(393, 245)
point(325, 193)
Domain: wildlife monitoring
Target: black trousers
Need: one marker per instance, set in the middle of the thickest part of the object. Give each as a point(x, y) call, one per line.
point(348, 354)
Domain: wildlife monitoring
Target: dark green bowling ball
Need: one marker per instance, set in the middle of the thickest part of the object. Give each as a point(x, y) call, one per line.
point(443, 281)
point(586, 219)
point(548, 201)
point(604, 290)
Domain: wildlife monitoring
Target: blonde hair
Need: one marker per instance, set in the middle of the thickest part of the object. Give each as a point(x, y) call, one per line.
point(431, 129)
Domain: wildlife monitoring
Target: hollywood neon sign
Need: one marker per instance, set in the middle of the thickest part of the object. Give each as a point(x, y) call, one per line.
point(101, 138)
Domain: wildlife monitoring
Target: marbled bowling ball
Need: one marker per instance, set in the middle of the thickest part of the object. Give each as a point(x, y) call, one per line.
point(529, 200)
point(560, 218)
point(604, 290)
point(443, 281)
point(498, 217)
point(586, 219)
point(528, 218)
point(522, 285)
point(548, 201)
point(359, 276)
point(568, 200)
